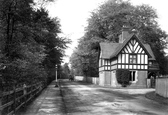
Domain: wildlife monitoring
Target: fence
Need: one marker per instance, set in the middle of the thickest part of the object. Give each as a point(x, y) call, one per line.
point(11, 101)
point(162, 86)
point(94, 80)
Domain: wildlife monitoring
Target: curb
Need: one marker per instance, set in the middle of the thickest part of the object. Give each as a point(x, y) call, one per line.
point(157, 98)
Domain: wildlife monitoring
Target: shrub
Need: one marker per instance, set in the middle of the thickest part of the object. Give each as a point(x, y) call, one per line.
point(123, 77)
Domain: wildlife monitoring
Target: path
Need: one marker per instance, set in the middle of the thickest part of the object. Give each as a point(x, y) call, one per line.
point(86, 99)
point(49, 102)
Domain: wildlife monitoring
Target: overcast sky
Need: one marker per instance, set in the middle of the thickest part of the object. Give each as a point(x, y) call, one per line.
point(73, 15)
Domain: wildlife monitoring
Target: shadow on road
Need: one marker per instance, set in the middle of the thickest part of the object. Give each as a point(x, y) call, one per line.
point(84, 98)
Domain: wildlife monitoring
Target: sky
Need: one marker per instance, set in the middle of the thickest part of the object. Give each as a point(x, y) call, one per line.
point(73, 15)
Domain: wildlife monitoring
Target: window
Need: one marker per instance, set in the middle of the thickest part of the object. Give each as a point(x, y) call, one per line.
point(132, 75)
point(150, 63)
point(133, 58)
point(106, 62)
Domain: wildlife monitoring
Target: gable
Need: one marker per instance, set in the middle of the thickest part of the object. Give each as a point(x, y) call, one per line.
point(130, 45)
point(133, 46)
point(147, 46)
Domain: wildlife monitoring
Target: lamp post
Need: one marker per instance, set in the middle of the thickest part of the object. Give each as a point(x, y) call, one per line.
point(56, 85)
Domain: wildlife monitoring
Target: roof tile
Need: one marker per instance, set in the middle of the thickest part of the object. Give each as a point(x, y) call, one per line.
point(110, 50)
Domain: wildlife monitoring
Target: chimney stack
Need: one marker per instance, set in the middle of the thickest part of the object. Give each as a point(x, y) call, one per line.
point(134, 31)
point(124, 35)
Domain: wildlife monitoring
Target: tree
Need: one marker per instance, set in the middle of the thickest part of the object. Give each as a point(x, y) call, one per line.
point(83, 60)
point(22, 56)
point(31, 45)
point(76, 63)
point(48, 30)
point(105, 24)
point(65, 71)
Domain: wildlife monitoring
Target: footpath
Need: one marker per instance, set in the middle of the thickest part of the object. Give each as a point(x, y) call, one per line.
point(49, 102)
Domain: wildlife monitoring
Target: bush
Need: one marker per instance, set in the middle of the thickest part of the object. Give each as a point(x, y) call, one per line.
point(123, 77)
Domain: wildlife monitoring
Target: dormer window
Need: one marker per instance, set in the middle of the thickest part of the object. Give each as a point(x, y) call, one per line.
point(133, 58)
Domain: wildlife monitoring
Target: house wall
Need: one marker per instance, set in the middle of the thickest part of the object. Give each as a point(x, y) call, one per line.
point(132, 57)
point(142, 62)
point(113, 79)
point(113, 64)
point(101, 78)
point(141, 79)
point(107, 76)
point(133, 47)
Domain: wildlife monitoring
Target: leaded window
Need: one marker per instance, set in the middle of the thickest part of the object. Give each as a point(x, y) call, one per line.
point(133, 58)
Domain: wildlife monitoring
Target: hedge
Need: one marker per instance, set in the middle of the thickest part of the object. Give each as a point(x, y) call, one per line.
point(123, 76)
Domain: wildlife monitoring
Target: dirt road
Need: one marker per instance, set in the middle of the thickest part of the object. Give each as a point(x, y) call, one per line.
point(87, 99)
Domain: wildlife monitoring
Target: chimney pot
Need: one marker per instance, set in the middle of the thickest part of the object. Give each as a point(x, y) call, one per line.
point(134, 31)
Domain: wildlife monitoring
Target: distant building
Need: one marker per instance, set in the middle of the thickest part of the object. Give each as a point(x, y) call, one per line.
point(130, 53)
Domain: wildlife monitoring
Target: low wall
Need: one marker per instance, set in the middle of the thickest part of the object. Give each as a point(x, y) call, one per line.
point(79, 78)
point(162, 86)
point(94, 80)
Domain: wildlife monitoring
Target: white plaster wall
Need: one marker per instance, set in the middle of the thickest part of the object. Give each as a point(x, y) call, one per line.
point(139, 59)
point(119, 58)
point(126, 58)
point(101, 78)
point(123, 58)
point(142, 59)
point(146, 59)
point(107, 78)
point(113, 79)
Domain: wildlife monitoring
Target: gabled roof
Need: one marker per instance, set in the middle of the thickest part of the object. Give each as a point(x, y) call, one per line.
point(110, 50)
point(147, 46)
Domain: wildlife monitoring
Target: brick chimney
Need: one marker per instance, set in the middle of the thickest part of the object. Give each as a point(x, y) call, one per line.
point(124, 35)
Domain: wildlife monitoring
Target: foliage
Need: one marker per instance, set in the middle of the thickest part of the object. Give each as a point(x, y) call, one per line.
point(105, 24)
point(123, 77)
point(65, 71)
point(84, 60)
point(31, 45)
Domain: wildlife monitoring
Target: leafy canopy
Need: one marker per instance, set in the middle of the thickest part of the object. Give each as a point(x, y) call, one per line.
point(29, 43)
point(105, 24)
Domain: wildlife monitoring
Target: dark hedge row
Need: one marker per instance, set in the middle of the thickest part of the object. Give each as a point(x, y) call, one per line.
point(123, 76)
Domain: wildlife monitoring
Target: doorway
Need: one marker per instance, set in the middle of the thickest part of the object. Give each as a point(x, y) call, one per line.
point(151, 79)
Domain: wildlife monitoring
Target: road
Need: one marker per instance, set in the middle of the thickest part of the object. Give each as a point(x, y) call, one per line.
point(87, 99)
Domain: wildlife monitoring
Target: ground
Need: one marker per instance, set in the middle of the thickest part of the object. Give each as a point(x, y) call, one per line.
point(78, 98)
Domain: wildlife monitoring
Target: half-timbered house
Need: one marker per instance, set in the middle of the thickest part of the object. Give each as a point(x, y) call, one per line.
point(130, 53)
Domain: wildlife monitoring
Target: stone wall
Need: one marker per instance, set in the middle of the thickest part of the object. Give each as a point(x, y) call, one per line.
point(94, 80)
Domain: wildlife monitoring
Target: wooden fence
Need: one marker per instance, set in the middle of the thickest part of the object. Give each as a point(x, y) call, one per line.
point(11, 101)
point(162, 86)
